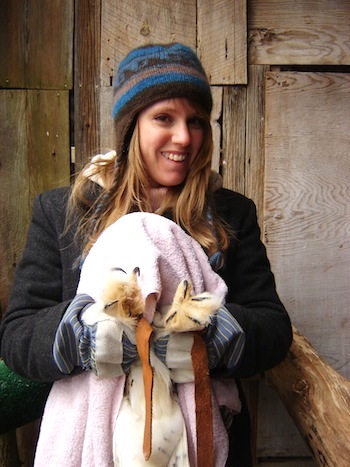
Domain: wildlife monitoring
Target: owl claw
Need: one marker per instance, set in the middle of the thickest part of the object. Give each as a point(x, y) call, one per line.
point(122, 295)
point(186, 286)
point(169, 318)
point(190, 313)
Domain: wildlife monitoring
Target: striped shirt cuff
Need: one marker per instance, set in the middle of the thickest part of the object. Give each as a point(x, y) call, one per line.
point(66, 353)
point(225, 340)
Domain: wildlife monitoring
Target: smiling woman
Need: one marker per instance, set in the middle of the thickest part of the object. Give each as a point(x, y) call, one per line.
point(161, 167)
point(171, 134)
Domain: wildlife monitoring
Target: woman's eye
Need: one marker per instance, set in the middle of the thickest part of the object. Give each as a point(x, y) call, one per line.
point(162, 118)
point(196, 122)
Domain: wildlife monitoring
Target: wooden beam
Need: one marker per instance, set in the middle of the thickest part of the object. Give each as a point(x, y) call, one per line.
point(317, 399)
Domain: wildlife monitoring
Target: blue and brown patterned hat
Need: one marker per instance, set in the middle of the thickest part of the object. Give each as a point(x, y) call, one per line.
point(152, 73)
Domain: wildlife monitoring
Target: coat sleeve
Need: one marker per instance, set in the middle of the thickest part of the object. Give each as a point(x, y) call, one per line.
point(252, 298)
point(42, 290)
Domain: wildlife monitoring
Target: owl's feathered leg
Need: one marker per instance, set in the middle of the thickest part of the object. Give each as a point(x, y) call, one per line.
point(190, 312)
point(168, 433)
point(169, 438)
point(194, 313)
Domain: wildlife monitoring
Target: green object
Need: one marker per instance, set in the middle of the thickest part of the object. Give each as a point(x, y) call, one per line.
point(21, 400)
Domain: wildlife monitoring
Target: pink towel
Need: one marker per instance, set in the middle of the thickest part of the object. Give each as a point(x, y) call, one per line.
point(77, 427)
point(165, 254)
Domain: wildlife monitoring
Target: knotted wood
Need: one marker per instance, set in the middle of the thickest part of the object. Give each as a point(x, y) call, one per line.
point(204, 412)
point(143, 335)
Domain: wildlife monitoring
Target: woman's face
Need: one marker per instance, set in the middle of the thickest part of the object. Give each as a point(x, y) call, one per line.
point(171, 133)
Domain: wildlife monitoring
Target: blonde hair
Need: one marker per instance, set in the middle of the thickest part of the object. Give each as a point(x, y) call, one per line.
point(125, 189)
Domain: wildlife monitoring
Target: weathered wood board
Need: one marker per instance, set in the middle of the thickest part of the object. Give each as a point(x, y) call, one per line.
point(234, 137)
point(307, 217)
point(222, 40)
point(312, 32)
point(35, 49)
point(255, 126)
point(14, 209)
point(34, 157)
point(87, 58)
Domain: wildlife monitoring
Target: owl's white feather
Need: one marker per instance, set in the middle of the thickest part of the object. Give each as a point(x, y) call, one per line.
point(169, 438)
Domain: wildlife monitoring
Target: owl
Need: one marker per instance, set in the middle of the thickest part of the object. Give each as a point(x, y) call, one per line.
point(123, 299)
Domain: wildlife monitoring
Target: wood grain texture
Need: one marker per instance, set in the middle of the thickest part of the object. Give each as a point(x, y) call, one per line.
point(318, 400)
point(255, 126)
point(36, 44)
point(313, 32)
point(106, 127)
point(307, 205)
point(14, 178)
point(34, 157)
point(87, 55)
point(47, 146)
point(233, 136)
point(306, 225)
point(222, 40)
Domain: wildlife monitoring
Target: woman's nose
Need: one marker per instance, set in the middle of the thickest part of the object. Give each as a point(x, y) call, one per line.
point(181, 134)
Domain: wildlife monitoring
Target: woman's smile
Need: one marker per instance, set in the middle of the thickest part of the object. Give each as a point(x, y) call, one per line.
point(172, 156)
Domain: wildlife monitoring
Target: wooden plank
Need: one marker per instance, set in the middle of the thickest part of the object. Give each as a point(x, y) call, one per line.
point(34, 155)
point(222, 40)
point(47, 145)
point(255, 161)
point(277, 435)
point(313, 32)
point(36, 40)
point(12, 38)
point(216, 116)
point(107, 141)
point(233, 136)
point(14, 178)
point(307, 213)
point(87, 53)
point(126, 25)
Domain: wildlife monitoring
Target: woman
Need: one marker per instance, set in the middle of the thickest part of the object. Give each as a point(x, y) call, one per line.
point(162, 165)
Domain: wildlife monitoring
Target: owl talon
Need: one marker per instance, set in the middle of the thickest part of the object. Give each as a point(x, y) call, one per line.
point(199, 299)
point(169, 318)
point(194, 320)
point(186, 286)
point(122, 296)
point(190, 313)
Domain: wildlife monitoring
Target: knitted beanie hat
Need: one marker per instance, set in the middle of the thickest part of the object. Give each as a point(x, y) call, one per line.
point(152, 73)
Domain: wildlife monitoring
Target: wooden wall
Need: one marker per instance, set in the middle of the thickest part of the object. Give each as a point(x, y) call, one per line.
point(36, 66)
point(280, 76)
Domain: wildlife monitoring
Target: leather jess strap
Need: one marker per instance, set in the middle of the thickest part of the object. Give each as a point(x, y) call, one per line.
point(204, 412)
point(143, 335)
